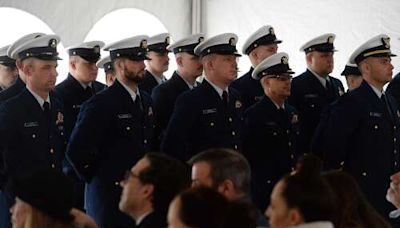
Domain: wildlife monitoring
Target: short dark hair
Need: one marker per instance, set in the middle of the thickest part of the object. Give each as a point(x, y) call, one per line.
point(311, 195)
point(203, 208)
point(226, 164)
point(169, 176)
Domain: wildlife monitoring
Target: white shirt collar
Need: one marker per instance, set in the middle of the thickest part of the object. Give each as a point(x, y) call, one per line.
point(219, 90)
point(39, 99)
point(277, 106)
point(317, 224)
point(84, 86)
point(158, 79)
point(140, 219)
point(320, 78)
point(130, 91)
point(394, 214)
point(187, 83)
point(377, 91)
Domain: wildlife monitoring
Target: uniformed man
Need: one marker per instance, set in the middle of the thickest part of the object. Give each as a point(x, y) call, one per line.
point(8, 69)
point(314, 89)
point(210, 115)
point(106, 64)
point(361, 135)
point(19, 84)
point(353, 76)
point(81, 84)
point(157, 62)
point(184, 78)
point(259, 46)
point(78, 87)
point(113, 131)
point(31, 123)
point(270, 128)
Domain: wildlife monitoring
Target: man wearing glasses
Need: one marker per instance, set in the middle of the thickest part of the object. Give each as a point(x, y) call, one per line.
point(270, 128)
point(149, 186)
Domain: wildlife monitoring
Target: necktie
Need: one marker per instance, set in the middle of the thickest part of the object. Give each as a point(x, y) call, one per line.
point(138, 103)
point(88, 92)
point(225, 97)
point(46, 108)
point(328, 85)
point(47, 116)
point(138, 107)
point(329, 90)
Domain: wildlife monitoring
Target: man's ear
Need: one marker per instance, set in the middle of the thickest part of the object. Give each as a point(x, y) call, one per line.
point(295, 216)
point(254, 54)
point(210, 64)
point(19, 65)
point(72, 64)
point(27, 69)
point(309, 57)
point(118, 66)
point(227, 188)
point(148, 190)
point(265, 82)
point(179, 61)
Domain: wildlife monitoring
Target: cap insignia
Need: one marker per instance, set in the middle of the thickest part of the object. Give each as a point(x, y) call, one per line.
point(386, 42)
point(143, 44)
point(330, 39)
point(53, 43)
point(271, 31)
point(284, 60)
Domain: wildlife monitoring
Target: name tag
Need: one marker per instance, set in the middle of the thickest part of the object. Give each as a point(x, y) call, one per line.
point(124, 116)
point(209, 111)
point(76, 106)
point(271, 124)
point(258, 98)
point(31, 124)
point(310, 95)
point(375, 114)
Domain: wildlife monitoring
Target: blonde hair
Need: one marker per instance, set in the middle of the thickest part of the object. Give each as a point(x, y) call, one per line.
point(38, 219)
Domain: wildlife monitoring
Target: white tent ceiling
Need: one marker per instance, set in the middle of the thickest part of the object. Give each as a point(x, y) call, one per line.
point(295, 21)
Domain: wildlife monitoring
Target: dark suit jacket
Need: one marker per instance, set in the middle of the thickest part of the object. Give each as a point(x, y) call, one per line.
point(164, 97)
point(154, 220)
point(250, 89)
point(73, 96)
point(29, 141)
point(363, 138)
point(269, 143)
point(110, 136)
point(201, 121)
point(13, 90)
point(309, 98)
point(148, 83)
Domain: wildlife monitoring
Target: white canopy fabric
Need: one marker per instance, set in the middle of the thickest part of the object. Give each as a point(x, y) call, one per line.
point(295, 21)
point(73, 19)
